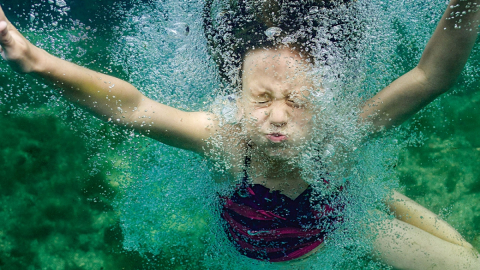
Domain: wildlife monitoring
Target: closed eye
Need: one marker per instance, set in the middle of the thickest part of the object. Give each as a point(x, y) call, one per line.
point(262, 103)
point(296, 103)
point(262, 100)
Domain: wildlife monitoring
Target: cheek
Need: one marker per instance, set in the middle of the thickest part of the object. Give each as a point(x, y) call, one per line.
point(251, 122)
point(256, 116)
point(303, 122)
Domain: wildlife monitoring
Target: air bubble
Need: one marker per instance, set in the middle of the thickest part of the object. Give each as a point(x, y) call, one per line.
point(313, 10)
point(329, 150)
point(178, 30)
point(61, 3)
point(273, 32)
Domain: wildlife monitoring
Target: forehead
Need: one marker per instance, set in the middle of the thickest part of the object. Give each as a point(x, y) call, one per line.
point(275, 69)
point(276, 61)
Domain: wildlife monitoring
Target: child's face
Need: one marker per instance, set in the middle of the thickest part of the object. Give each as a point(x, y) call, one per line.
point(275, 101)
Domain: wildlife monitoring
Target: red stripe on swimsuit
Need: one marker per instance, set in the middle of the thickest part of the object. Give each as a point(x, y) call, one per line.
point(270, 226)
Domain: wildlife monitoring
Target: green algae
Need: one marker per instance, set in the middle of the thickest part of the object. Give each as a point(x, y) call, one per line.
point(55, 214)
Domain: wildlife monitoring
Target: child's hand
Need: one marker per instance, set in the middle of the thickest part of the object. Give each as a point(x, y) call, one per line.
point(19, 53)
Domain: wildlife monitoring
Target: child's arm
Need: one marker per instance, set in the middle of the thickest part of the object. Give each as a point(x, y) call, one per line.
point(442, 61)
point(107, 97)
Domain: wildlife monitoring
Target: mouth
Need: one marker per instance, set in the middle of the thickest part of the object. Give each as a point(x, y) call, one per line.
point(276, 137)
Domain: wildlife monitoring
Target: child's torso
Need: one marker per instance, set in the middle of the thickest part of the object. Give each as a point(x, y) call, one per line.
point(268, 225)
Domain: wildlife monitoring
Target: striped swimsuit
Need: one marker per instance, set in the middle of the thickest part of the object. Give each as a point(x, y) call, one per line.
point(270, 226)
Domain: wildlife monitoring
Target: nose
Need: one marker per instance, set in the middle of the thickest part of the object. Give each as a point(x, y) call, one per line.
point(278, 115)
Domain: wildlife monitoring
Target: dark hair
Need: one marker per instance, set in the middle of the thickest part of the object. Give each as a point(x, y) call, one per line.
point(234, 28)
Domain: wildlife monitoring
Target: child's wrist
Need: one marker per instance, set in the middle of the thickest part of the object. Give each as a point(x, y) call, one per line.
point(39, 61)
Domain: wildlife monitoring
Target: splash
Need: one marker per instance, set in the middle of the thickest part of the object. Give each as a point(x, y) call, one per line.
point(158, 210)
point(353, 42)
point(167, 198)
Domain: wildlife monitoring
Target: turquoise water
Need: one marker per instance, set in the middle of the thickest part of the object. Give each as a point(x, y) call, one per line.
point(77, 193)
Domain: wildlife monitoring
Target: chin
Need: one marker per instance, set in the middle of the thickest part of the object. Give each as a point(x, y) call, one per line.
point(282, 153)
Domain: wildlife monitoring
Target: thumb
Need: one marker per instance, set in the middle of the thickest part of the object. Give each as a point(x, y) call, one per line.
point(5, 37)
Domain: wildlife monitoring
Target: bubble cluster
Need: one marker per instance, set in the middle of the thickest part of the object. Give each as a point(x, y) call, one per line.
point(166, 206)
point(351, 44)
point(340, 51)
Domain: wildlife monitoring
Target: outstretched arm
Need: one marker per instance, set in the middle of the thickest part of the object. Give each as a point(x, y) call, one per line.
point(442, 61)
point(105, 96)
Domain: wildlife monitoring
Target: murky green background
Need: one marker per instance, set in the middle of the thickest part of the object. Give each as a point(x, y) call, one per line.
point(61, 170)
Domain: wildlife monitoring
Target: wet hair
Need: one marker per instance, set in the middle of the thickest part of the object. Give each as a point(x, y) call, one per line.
point(236, 27)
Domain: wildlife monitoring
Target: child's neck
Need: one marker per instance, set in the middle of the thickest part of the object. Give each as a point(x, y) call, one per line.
point(276, 174)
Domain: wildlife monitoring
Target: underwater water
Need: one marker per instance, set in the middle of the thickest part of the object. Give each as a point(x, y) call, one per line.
point(78, 193)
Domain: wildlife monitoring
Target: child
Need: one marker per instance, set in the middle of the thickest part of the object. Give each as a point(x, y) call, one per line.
point(270, 216)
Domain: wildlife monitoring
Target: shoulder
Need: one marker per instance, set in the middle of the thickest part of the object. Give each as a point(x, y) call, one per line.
point(226, 151)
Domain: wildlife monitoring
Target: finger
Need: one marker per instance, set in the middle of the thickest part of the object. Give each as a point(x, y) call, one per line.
point(2, 15)
point(5, 37)
point(3, 31)
point(3, 26)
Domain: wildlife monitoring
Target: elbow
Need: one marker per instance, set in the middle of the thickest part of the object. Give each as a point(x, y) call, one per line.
point(437, 83)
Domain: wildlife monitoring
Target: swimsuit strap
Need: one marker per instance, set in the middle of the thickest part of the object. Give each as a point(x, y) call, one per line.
point(246, 164)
